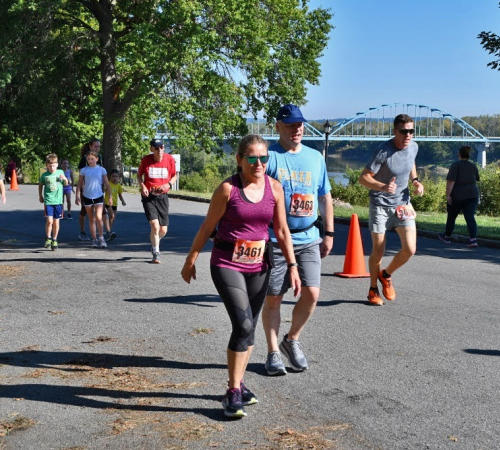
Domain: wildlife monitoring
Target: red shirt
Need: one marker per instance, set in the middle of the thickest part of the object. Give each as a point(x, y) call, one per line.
point(157, 173)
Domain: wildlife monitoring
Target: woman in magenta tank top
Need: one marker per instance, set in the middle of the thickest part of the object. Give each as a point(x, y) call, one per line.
point(241, 209)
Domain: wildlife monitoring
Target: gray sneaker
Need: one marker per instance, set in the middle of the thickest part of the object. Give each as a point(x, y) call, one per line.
point(83, 236)
point(274, 365)
point(291, 349)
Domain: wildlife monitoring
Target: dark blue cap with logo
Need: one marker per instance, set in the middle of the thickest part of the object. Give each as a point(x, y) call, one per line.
point(156, 143)
point(290, 114)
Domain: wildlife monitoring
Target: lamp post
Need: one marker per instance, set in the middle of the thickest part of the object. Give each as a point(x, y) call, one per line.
point(327, 129)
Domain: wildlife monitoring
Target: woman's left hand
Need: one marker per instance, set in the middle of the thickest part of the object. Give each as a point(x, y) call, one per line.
point(188, 272)
point(295, 282)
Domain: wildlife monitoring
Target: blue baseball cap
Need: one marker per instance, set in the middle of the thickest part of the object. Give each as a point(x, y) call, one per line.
point(156, 143)
point(290, 114)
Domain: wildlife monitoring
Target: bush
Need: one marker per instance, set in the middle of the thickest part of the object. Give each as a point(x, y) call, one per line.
point(353, 192)
point(434, 198)
point(489, 187)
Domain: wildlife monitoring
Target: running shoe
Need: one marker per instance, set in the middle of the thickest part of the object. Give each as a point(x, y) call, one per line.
point(274, 365)
point(68, 216)
point(293, 351)
point(472, 243)
point(48, 243)
point(387, 287)
point(443, 238)
point(247, 396)
point(83, 236)
point(95, 243)
point(156, 258)
point(54, 245)
point(233, 404)
point(102, 242)
point(110, 236)
point(374, 297)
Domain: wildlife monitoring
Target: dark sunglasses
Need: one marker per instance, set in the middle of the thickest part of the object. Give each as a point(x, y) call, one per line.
point(406, 131)
point(253, 159)
point(159, 148)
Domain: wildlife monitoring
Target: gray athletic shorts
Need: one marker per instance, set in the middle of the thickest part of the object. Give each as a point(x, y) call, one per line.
point(309, 260)
point(383, 218)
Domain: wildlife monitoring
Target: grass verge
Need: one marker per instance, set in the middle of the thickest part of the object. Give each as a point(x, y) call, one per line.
point(487, 227)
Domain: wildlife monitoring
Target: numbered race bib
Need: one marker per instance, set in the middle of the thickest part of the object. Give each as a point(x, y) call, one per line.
point(405, 212)
point(302, 205)
point(248, 252)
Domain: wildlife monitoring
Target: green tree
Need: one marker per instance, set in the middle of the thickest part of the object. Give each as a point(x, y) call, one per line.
point(202, 65)
point(491, 43)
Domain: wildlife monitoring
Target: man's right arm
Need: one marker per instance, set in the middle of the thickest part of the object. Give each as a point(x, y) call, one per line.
point(367, 180)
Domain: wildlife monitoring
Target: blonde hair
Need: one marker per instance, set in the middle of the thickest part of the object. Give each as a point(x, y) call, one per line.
point(51, 158)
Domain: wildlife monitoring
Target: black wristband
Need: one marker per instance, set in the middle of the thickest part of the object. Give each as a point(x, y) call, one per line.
point(170, 184)
point(415, 179)
point(330, 233)
point(293, 265)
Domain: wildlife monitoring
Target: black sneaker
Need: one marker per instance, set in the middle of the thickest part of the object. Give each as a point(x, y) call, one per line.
point(110, 236)
point(156, 258)
point(233, 404)
point(247, 396)
point(442, 237)
point(291, 349)
point(472, 243)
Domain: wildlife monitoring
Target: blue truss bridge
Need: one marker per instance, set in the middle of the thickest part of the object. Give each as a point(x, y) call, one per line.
point(376, 124)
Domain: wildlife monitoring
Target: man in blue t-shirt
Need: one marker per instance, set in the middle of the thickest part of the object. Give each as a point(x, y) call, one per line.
point(302, 173)
point(387, 174)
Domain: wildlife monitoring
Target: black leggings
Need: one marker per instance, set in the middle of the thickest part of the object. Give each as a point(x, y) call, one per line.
point(243, 295)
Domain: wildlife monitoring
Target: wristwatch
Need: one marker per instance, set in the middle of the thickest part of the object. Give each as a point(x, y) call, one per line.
point(330, 233)
point(170, 184)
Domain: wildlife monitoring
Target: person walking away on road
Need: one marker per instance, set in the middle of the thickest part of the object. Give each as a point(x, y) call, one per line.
point(11, 168)
point(240, 211)
point(302, 173)
point(462, 195)
point(50, 193)
point(116, 191)
point(69, 188)
point(89, 192)
point(387, 174)
point(155, 176)
point(93, 145)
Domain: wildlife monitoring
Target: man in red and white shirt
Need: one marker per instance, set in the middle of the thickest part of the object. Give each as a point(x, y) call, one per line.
point(155, 176)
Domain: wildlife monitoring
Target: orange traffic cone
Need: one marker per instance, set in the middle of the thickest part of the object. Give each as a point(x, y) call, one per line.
point(13, 182)
point(354, 263)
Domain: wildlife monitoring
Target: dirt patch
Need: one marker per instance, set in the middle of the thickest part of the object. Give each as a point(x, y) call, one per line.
point(201, 331)
point(12, 271)
point(100, 340)
point(315, 438)
point(18, 424)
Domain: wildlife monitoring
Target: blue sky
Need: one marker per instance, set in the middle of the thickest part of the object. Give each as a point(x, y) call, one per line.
point(421, 51)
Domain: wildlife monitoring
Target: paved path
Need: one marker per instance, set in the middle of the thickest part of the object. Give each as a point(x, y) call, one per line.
point(100, 349)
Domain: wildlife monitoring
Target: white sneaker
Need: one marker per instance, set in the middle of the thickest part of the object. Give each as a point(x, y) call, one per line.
point(102, 242)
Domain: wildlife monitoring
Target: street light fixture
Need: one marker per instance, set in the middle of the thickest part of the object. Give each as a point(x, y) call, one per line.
point(327, 128)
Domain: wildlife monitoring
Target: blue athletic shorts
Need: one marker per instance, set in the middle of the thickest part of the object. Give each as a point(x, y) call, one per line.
point(55, 211)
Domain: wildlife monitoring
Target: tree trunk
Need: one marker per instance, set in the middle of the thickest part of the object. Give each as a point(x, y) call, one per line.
point(112, 145)
point(113, 110)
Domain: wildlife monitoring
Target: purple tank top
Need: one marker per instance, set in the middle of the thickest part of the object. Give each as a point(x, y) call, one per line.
point(244, 220)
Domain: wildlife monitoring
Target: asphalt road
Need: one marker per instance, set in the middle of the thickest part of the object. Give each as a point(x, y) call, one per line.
point(99, 349)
